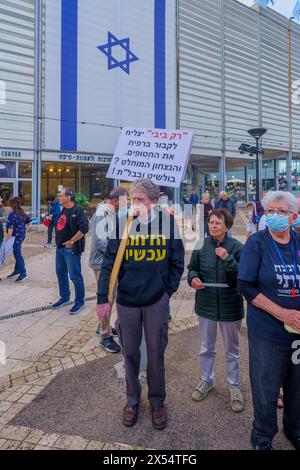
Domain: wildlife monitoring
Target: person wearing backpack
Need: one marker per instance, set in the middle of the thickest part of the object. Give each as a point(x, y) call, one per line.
point(269, 279)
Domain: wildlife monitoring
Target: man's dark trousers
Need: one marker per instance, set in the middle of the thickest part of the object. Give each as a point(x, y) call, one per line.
point(130, 321)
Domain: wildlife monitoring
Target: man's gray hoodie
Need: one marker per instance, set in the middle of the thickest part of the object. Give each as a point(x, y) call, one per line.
point(102, 223)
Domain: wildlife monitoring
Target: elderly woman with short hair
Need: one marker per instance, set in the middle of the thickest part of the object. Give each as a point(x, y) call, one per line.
point(212, 268)
point(269, 277)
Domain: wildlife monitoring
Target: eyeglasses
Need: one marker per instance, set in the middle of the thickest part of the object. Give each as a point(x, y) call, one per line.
point(281, 212)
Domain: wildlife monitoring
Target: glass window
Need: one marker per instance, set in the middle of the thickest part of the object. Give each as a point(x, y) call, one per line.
point(24, 192)
point(7, 169)
point(25, 170)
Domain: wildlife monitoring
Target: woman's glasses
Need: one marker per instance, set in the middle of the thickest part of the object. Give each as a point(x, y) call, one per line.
point(281, 212)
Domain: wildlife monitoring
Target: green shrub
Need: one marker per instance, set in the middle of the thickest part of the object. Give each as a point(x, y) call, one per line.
point(81, 200)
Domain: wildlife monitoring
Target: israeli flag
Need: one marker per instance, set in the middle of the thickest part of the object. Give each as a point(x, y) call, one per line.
point(296, 12)
point(109, 64)
point(262, 3)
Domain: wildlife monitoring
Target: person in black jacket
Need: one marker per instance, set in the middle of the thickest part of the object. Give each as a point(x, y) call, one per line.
point(150, 273)
point(71, 228)
point(228, 204)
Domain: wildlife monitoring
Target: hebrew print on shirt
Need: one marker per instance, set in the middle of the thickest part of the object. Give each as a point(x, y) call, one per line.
point(286, 281)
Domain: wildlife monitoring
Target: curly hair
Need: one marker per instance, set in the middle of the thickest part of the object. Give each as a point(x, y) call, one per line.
point(148, 187)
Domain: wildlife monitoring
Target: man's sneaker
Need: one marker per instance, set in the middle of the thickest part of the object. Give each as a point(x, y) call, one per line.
point(113, 330)
point(47, 245)
point(61, 303)
point(130, 415)
point(14, 274)
point(110, 345)
point(159, 417)
point(237, 402)
point(22, 278)
point(202, 390)
point(76, 309)
point(260, 445)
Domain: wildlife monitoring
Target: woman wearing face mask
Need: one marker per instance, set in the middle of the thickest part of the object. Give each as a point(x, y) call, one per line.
point(269, 277)
point(213, 274)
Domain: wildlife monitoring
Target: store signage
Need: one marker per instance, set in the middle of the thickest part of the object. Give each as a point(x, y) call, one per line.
point(12, 154)
point(76, 158)
point(157, 154)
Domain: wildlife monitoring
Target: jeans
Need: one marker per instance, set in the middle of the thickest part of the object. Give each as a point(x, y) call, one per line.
point(69, 264)
point(270, 367)
point(20, 263)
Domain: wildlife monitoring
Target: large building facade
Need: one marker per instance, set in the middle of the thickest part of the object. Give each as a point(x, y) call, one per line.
point(72, 74)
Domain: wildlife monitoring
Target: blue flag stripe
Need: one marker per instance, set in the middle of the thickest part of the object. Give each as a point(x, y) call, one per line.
point(69, 71)
point(296, 11)
point(160, 64)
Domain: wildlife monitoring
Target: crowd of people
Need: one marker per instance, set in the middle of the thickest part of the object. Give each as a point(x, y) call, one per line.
point(141, 251)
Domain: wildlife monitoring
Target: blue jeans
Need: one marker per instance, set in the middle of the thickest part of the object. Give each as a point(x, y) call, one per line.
point(69, 264)
point(271, 367)
point(20, 263)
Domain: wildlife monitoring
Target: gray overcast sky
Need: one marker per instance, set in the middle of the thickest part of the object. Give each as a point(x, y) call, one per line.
point(285, 7)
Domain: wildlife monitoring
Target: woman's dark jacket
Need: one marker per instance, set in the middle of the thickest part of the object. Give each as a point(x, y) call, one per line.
point(217, 303)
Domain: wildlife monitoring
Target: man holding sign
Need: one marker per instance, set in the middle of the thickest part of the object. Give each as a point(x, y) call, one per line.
point(150, 273)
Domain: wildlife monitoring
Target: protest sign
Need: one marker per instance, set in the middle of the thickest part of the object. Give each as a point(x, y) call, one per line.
point(157, 154)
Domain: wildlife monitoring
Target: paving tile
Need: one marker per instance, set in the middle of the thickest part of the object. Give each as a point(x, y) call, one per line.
point(4, 406)
point(11, 445)
point(34, 437)
point(78, 444)
point(2, 442)
point(79, 362)
point(39, 447)
point(20, 381)
point(64, 442)
point(26, 399)
point(14, 397)
point(95, 445)
point(24, 388)
point(36, 389)
point(16, 408)
point(16, 433)
point(26, 446)
point(48, 440)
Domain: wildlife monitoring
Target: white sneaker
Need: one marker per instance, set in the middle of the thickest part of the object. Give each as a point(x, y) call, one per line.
point(202, 390)
point(237, 402)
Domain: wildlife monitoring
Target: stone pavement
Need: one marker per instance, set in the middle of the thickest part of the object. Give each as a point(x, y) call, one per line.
point(42, 345)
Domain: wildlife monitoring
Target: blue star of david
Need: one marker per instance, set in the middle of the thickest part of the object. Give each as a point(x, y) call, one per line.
point(124, 44)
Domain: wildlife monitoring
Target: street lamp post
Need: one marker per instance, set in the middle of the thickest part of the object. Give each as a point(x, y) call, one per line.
point(266, 187)
point(257, 133)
